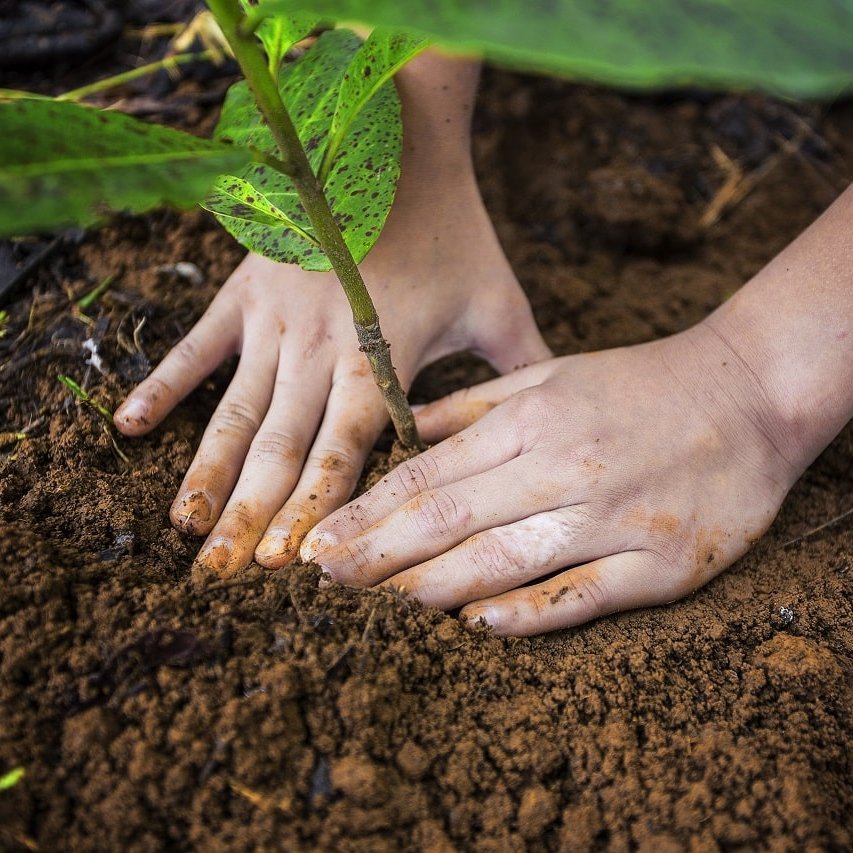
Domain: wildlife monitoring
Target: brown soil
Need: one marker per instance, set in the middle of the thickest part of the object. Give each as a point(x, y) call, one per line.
point(264, 713)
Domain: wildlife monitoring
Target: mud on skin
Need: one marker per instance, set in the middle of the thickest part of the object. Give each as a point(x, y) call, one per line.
point(262, 711)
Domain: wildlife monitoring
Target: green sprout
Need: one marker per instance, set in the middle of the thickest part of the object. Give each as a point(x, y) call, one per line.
point(4, 320)
point(104, 413)
point(86, 397)
point(10, 779)
point(85, 302)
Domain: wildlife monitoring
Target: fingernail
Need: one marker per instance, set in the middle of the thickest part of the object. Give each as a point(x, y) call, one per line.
point(191, 509)
point(216, 556)
point(313, 545)
point(471, 617)
point(133, 409)
point(273, 547)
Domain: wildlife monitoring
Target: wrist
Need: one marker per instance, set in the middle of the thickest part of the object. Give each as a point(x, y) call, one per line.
point(792, 328)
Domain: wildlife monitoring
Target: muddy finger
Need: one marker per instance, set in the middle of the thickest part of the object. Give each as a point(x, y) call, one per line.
point(205, 347)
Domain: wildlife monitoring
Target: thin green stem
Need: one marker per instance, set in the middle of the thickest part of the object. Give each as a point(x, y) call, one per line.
point(294, 162)
point(135, 73)
point(89, 299)
point(87, 398)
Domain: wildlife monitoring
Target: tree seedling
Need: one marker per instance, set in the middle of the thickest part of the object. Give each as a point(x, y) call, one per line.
point(305, 159)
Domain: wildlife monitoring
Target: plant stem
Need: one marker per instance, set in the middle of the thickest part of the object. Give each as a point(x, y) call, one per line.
point(294, 162)
point(134, 73)
point(87, 398)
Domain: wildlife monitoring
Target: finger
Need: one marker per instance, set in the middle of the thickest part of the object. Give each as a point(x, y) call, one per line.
point(219, 458)
point(354, 419)
point(272, 465)
point(502, 558)
point(619, 582)
point(213, 338)
point(485, 446)
point(436, 521)
point(455, 412)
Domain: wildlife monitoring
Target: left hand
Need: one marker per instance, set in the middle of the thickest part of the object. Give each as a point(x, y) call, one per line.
point(594, 483)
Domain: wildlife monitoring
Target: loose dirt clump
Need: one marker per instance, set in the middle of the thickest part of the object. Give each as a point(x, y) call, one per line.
point(262, 712)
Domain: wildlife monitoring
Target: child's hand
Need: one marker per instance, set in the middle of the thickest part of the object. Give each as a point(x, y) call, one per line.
point(648, 469)
point(288, 441)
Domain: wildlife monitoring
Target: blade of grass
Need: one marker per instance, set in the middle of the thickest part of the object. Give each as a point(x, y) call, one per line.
point(89, 299)
point(169, 63)
point(85, 397)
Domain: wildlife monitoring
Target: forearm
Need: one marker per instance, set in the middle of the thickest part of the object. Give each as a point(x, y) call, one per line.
point(792, 325)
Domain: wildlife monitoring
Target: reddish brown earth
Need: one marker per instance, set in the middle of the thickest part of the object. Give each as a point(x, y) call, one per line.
point(263, 713)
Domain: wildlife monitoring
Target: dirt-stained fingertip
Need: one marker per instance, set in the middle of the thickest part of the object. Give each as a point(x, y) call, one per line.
point(132, 416)
point(192, 513)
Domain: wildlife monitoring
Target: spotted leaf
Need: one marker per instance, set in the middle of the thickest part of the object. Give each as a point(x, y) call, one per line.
point(360, 177)
point(248, 207)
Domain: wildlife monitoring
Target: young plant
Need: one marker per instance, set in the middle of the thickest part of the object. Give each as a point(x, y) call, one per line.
point(99, 408)
point(305, 159)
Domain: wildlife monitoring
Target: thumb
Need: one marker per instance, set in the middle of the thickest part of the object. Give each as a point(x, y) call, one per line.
point(451, 414)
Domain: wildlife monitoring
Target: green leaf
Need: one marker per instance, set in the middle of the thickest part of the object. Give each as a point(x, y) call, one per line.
point(361, 179)
point(279, 33)
point(803, 49)
point(63, 164)
point(381, 56)
point(245, 206)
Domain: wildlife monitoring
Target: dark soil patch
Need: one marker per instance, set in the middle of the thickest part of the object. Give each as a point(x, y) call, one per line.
point(265, 713)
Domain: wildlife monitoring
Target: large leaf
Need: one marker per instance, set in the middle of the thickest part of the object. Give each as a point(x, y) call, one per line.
point(62, 164)
point(325, 102)
point(802, 48)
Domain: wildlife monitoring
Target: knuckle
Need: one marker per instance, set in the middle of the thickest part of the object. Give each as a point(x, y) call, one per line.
point(335, 463)
point(240, 516)
point(579, 591)
point(359, 560)
point(593, 587)
point(460, 400)
point(236, 416)
point(539, 605)
point(295, 514)
point(439, 514)
point(271, 445)
point(187, 351)
point(355, 369)
point(495, 557)
point(416, 476)
point(156, 389)
point(531, 414)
